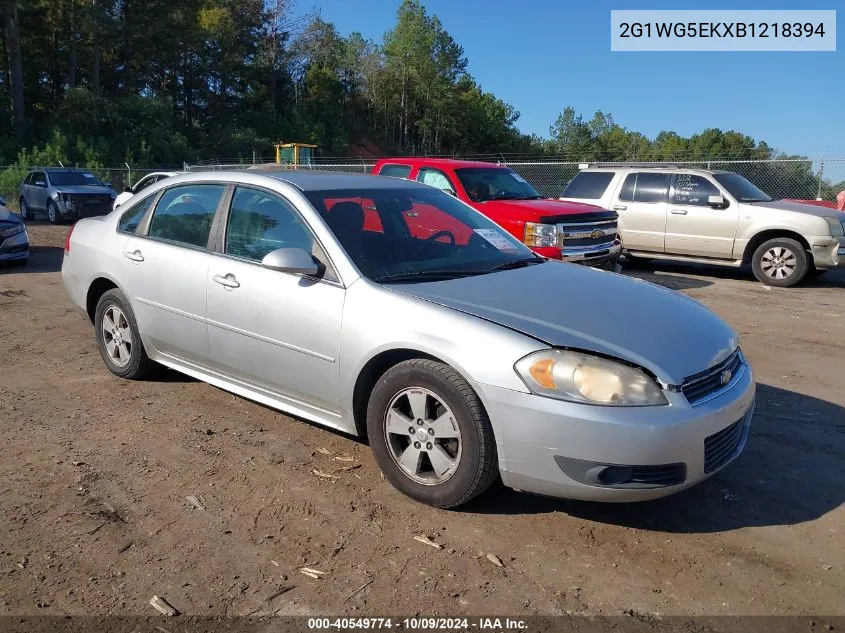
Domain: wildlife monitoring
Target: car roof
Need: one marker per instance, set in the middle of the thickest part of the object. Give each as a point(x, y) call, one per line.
point(453, 163)
point(654, 168)
point(314, 180)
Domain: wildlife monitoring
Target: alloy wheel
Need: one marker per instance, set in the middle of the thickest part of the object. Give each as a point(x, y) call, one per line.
point(117, 336)
point(778, 262)
point(423, 436)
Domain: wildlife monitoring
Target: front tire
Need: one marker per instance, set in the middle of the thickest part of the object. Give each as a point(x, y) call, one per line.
point(780, 262)
point(52, 212)
point(430, 434)
point(26, 214)
point(118, 338)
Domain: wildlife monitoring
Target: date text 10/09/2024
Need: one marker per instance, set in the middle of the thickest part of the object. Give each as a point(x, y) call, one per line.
point(419, 624)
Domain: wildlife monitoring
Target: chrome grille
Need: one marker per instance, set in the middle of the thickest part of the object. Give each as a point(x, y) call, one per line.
point(600, 234)
point(701, 385)
point(720, 447)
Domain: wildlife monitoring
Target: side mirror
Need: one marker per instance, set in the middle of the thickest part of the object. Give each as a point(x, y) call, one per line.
point(2, 201)
point(451, 193)
point(128, 189)
point(717, 202)
point(290, 260)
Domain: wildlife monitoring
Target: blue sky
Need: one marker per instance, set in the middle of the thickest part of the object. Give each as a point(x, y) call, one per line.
point(543, 55)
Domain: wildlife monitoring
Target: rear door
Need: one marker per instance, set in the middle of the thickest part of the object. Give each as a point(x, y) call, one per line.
point(38, 198)
point(641, 203)
point(166, 270)
point(693, 227)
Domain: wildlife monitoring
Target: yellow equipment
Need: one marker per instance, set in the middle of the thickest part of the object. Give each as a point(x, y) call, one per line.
point(295, 154)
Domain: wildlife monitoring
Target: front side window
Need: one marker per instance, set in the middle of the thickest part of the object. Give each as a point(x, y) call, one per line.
point(588, 185)
point(435, 178)
point(130, 220)
point(30, 179)
point(495, 183)
point(693, 190)
point(184, 214)
point(395, 171)
point(740, 188)
point(645, 187)
point(427, 235)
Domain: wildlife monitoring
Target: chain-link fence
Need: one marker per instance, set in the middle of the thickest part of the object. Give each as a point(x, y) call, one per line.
point(780, 178)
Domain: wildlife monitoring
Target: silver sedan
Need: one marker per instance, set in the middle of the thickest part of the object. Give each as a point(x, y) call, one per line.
point(385, 308)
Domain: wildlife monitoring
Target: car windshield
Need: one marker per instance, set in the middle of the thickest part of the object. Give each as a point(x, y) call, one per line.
point(68, 179)
point(495, 183)
point(741, 189)
point(417, 234)
point(91, 179)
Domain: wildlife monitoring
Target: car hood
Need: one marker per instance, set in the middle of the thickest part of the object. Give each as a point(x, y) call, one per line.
point(89, 189)
point(799, 207)
point(7, 217)
point(542, 208)
point(572, 306)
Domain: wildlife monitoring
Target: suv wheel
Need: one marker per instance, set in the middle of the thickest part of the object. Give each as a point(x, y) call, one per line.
point(26, 214)
point(430, 434)
point(781, 262)
point(52, 212)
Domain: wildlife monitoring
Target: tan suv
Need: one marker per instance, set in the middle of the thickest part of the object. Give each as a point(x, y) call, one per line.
point(713, 217)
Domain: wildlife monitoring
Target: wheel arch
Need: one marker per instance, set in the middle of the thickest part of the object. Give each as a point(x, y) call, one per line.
point(375, 367)
point(770, 234)
point(96, 289)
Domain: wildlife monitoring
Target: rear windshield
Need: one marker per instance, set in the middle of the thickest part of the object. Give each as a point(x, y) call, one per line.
point(588, 185)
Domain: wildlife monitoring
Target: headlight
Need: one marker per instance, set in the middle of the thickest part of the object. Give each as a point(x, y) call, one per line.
point(18, 228)
point(579, 377)
point(540, 234)
point(837, 226)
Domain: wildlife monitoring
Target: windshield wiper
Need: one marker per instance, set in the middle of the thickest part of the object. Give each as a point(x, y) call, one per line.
point(519, 263)
point(427, 275)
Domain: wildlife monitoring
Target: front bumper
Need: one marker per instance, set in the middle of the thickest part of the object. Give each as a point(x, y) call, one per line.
point(828, 252)
point(14, 248)
point(555, 448)
point(592, 256)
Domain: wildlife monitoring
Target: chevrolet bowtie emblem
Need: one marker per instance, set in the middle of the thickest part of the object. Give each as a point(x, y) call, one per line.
point(726, 376)
point(597, 234)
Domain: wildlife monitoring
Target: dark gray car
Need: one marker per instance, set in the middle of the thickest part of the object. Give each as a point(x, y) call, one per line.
point(63, 193)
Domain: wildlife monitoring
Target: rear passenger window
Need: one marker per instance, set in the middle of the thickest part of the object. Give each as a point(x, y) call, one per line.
point(645, 187)
point(130, 220)
point(588, 185)
point(395, 171)
point(184, 214)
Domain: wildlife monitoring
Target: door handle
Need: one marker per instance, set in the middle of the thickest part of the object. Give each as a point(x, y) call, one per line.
point(620, 207)
point(679, 211)
point(228, 280)
point(135, 255)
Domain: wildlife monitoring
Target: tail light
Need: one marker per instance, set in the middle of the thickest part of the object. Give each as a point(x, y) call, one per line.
point(67, 238)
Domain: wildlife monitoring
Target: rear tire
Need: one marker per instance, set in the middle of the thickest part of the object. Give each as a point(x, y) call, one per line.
point(118, 337)
point(430, 434)
point(781, 262)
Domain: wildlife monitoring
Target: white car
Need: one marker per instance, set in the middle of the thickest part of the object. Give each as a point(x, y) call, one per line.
point(142, 184)
point(714, 217)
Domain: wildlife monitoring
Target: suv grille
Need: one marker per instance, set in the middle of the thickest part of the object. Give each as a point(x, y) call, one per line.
point(600, 234)
point(720, 447)
point(699, 386)
point(89, 204)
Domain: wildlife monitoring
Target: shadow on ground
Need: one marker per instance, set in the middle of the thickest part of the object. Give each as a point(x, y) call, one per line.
point(42, 259)
point(789, 473)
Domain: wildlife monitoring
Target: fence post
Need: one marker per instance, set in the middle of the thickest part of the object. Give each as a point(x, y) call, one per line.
point(128, 175)
point(821, 179)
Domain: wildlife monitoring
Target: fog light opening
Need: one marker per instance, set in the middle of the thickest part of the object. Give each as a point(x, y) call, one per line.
point(615, 475)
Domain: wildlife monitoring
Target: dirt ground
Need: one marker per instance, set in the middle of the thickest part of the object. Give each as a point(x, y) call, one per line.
point(95, 472)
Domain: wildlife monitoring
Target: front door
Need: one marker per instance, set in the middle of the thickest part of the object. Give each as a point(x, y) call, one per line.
point(695, 228)
point(641, 203)
point(274, 330)
point(166, 271)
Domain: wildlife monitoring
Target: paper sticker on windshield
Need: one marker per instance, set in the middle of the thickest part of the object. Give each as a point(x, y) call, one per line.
point(496, 239)
point(518, 177)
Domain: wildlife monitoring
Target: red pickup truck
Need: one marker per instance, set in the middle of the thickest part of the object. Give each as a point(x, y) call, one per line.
point(569, 231)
